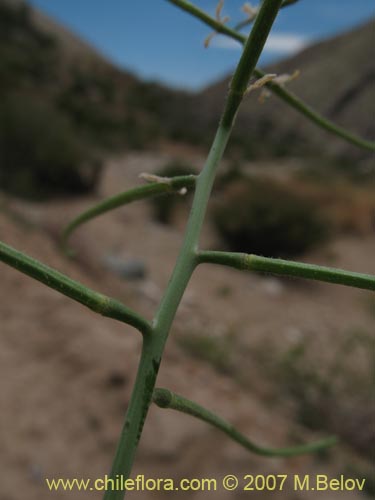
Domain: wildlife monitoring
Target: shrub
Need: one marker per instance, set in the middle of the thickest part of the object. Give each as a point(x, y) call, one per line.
point(27, 54)
point(266, 217)
point(314, 382)
point(164, 206)
point(217, 351)
point(40, 153)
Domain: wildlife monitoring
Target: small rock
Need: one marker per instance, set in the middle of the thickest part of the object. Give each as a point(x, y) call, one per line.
point(150, 290)
point(36, 472)
point(272, 286)
point(294, 334)
point(131, 269)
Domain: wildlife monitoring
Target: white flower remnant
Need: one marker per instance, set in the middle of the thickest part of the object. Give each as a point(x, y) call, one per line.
point(261, 82)
point(280, 80)
point(155, 178)
point(250, 11)
point(221, 20)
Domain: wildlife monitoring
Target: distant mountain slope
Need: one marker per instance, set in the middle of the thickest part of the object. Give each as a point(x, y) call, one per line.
point(72, 45)
point(337, 79)
point(62, 106)
point(87, 107)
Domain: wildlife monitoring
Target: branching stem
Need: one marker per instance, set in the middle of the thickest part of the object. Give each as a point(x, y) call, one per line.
point(167, 399)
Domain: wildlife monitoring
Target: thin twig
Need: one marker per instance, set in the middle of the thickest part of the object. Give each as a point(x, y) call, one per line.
point(95, 301)
point(167, 399)
point(288, 268)
point(121, 199)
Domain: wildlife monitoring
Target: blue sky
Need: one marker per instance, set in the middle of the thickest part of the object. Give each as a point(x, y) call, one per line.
point(157, 41)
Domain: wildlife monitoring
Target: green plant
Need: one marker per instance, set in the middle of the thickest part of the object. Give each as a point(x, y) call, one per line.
point(313, 383)
point(216, 351)
point(155, 333)
point(26, 53)
point(43, 150)
point(267, 217)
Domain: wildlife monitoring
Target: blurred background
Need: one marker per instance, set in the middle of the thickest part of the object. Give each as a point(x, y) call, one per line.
point(92, 94)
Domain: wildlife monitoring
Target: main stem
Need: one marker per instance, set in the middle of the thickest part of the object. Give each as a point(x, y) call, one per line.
point(153, 345)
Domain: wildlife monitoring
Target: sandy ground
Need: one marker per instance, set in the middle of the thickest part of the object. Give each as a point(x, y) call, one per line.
point(66, 374)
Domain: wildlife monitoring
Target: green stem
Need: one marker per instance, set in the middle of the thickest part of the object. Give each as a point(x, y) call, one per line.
point(135, 416)
point(95, 301)
point(154, 345)
point(167, 399)
point(139, 193)
point(250, 55)
point(186, 261)
point(288, 268)
point(322, 122)
point(277, 89)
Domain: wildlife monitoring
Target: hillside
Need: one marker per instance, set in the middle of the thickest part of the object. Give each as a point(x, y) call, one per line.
point(337, 79)
point(72, 45)
point(59, 94)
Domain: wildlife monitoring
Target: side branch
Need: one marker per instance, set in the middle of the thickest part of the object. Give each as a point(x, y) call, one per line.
point(309, 113)
point(167, 399)
point(95, 301)
point(277, 89)
point(138, 193)
point(288, 268)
